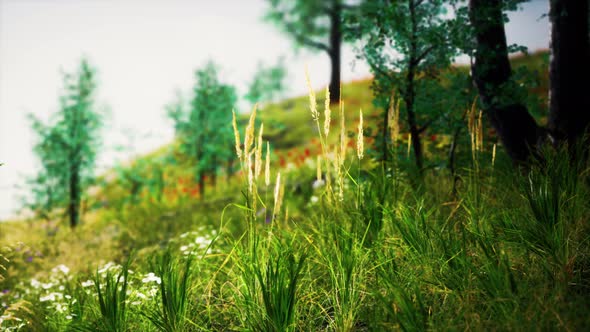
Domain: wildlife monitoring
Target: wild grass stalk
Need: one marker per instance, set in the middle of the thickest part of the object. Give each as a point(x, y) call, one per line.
point(175, 282)
point(112, 298)
point(270, 271)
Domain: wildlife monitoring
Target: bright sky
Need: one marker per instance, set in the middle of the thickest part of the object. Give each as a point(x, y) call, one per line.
point(144, 51)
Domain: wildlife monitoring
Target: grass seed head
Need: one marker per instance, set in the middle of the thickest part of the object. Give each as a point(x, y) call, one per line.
point(493, 155)
point(249, 138)
point(360, 146)
point(342, 135)
point(250, 173)
point(393, 119)
point(258, 159)
point(327, 114)
point(312, 101)
point(267, 166)
point(237, 136)
point(277, 192)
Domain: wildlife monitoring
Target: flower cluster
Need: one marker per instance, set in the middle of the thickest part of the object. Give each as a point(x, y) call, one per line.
point(196, 242)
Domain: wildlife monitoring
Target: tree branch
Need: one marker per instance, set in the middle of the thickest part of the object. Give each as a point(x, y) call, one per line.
point(303, 39)
point(382, 72)
point(423, 55)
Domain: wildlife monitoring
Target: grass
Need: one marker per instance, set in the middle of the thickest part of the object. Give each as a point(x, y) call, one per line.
point(339, 243)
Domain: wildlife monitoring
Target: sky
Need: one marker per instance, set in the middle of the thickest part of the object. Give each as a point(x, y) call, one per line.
point(145, 51)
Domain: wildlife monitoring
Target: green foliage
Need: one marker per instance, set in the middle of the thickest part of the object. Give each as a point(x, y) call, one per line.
point(503, 252)
point(304, 21)
point(272, 285)
point(204, 129)
point(268, 83)
point(67, 146)
point(407, 44)
point(112, 299)
point(175, 281)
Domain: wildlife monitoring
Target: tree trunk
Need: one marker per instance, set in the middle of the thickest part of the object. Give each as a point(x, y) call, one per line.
point(201, 185)
point(74, 203)
point(229, 169)
point(214, 173)
point(385, 137)
point(569, 72)
point(335, 47)
point(491, 74)
point(410, 92)
point(409, 100)
point(201, 169)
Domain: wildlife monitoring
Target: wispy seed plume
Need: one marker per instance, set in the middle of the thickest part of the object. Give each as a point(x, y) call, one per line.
point(312, 101)
point(327, 114)
point(360, 145)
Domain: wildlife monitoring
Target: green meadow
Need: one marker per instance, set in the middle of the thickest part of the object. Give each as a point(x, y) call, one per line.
point(312, 231)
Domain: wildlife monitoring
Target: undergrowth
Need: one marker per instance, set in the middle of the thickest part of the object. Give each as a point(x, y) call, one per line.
point(370, 248)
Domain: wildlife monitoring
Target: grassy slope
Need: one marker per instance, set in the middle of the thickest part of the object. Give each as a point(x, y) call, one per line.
point(288, 127)
point(450, 281)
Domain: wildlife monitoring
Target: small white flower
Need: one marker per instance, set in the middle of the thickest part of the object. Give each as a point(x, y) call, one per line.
point(184, 248)
point(69, 317)
point(61, 268)
point(51, 297)
point(35, 283)
point(153, 291)
point(318, 183)
point(106, 267)
point(87, 283)
point(151, 277)
point(314, 199)
point(202, 241)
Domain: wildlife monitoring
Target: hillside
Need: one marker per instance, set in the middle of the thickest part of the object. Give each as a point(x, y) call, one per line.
point(335, 242)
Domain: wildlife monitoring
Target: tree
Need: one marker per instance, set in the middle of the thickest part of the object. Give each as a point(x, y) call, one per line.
point(316, 25)
point(404, 40)
point(67, 149)
point(205, 131)
point(569, 103)
point(268, 82)
point(491, 72)
point(569, 70)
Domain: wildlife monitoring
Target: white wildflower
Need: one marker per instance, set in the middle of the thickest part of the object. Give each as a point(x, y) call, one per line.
point(151, 277)
point(318, 183)
point(87, 283)
point(51, 297)
point(61, 268)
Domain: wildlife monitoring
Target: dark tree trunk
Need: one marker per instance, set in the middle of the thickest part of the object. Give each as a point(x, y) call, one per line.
point(385, 137)
point(409, 100)
point(335, 47)
point(229, 166)
point(214, 173)
point(74, 203)
point(201, 185)
point(491, 73)
point(201, 169)
point(410, 90)
point(569, 72)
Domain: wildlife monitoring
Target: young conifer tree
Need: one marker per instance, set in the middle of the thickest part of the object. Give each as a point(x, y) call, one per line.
point(67, 146)
point(204, 129)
